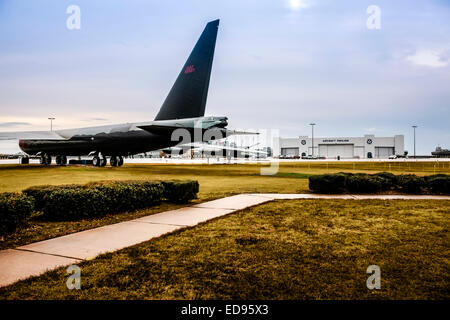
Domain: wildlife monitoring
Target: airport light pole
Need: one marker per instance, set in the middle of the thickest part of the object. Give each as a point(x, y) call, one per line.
point(414, 127)
point(51, 123)
point(312, 137)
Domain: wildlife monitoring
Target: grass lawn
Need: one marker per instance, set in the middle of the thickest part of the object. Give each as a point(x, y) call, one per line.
point(297, 249)
point(232, 179)
point(215, 181)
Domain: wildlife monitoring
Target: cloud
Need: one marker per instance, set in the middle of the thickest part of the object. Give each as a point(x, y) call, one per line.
point(430, 58)
point(95, 119)
point(13, 124)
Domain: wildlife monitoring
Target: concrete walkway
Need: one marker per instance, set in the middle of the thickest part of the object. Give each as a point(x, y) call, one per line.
point(37, 258)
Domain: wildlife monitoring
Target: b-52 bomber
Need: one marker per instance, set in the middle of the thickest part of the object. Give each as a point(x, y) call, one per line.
point(183, 109)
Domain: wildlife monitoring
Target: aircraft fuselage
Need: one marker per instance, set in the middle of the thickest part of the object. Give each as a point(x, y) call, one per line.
point(118, 143)
point(124, 139)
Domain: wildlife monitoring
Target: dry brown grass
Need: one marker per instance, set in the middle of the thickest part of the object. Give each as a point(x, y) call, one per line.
point(298, 249)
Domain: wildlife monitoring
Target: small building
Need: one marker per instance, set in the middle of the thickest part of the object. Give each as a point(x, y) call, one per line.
point(441, 153)
point(365, 147)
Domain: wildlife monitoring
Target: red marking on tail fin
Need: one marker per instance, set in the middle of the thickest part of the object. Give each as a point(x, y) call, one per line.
point(189, 69)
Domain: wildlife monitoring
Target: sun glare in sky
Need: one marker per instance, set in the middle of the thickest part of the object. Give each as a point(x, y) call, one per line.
point(298, 4)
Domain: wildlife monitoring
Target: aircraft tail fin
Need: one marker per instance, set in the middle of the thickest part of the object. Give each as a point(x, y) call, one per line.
point(187, 98)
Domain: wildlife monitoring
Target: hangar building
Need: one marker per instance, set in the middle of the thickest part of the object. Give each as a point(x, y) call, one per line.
point(365, 147)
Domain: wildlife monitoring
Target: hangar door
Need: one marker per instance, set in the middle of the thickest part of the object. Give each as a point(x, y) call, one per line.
point(290, 152)
point(383, 152)
point(334, 150)
point(359, 152)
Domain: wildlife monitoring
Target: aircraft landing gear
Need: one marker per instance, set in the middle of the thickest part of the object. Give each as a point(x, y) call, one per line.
point(113, 161)
point(61, 160)
point(99, 161)
point(24, 160)
point(96, 161)
point(116, 161)
point(45, 159)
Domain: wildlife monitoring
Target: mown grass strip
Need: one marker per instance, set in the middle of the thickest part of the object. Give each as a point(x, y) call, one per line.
point(298, 249)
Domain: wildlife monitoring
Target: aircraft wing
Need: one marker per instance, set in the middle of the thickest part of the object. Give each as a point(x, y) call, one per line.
point(213, 147)
point(31, 135)
point(237, 132)
point(161, 128)
point(154, 128)
point(203, 146)
point(164, 126)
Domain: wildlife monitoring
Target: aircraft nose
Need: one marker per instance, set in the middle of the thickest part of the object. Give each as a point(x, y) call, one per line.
point(23, 144)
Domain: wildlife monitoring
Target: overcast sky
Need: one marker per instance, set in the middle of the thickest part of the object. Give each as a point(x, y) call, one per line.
point(278, 64)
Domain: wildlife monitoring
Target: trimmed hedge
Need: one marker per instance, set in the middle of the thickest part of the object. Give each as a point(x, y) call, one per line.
point(410, 183)
point(71, 202)
point(96, 200)
point(383, 181)
point(15, 209)
point(180, 191)
point(328, 183)
point(362, 182)
point(40, 193)
point(438, 183)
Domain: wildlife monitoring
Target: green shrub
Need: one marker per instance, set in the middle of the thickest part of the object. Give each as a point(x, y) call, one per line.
point(410, 183)
point(384, 181)
point(98, 199)
point(15, 209)
point(70, 202)
point(40, 193)
point(438, 183)
point(362, 182)
point(180, 191)
point(389, 181)
point(129, 194)
point(328, 183)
